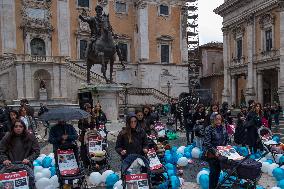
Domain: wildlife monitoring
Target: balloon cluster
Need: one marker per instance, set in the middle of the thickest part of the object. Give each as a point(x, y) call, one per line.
point(45, 172)
point(108, 179)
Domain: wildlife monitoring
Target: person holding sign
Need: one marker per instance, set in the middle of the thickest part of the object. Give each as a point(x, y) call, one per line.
point(19, 145)
point(131, 140)
point(215, 135)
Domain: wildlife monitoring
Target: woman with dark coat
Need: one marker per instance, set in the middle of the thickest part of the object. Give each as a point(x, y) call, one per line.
point(131, 140)
point(141, 124)
point(253, 122)
point(198, 122)
point(99, 115)
point(214, 108)
point(19, 145)
point(240, 127)
point(149, 121)
point(215, 135)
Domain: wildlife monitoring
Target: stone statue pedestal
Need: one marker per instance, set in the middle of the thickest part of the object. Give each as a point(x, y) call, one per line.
point(108, 97)
point(42, 94)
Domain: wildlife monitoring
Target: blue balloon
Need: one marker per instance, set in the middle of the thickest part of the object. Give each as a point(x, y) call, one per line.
point(37, 163)
point(175, 182)
point(276, 138)
point(163, 185)
point(46, 162)
point(280, 183)
point(281, 160)
point(222, 175)
point(168, 158)
point(167, 152)
point(270, 161)
point(52, 171)
point(205, 169)
point(111, 179)
point(187, 154)
point(170, 166)
point(252, 156)
point(171, 173)
point(174, 149)
point(278, 173)
point(204, 181)
point(259, 187)
point(243, 151)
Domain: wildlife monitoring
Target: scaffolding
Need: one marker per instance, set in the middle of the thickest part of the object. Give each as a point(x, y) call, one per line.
point(192, 44)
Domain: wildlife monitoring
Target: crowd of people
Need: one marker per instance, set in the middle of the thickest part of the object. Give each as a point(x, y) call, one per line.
point(206, 127)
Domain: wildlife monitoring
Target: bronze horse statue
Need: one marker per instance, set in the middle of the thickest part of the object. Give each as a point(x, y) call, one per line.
point(103, 50)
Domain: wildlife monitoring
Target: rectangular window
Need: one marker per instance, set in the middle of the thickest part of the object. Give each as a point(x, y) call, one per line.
point(268, 40)
point(83, 47)
point(120, 7)
point(164, 10)
point(83, 3)
point(124, 51)
point(165, 53)
point(239, 49)
point(213, 68)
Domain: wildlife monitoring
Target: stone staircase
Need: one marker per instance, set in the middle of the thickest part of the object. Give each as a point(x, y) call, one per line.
point(81, 72)
point(280, 130)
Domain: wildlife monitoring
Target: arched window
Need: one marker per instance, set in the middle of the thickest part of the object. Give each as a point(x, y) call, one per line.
point(38, 47)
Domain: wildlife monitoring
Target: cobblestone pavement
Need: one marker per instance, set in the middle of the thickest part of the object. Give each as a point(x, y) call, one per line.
point(190, 171)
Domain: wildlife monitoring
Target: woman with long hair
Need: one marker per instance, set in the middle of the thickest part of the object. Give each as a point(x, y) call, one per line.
point(28, 120)
point(99, 115)
point(253, 122)
point(214, 109)
point(131, 140)
point(215, 135)
point(19, 145)
point(141, 121)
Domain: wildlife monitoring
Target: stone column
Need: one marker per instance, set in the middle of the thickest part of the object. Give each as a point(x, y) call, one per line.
point(259, 87)
point(63, 83)
point(234, 89)
point(28, 81)
point(281, 81)
point(250, 91)
point(143, 38)
point(63, 25)
point(226, 46)
point(8, 26)
point(20, 81)
point(56, 80)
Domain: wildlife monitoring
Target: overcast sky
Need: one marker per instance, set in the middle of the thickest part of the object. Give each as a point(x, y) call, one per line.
point(210, 24)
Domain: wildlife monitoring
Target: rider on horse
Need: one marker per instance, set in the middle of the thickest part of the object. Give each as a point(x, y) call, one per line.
point(95, 24)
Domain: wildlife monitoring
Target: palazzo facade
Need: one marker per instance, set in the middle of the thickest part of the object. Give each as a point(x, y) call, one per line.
point(46, 40)
point(253, 50)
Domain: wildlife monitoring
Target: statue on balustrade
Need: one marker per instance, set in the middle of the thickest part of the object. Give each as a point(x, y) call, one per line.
point(101, 47)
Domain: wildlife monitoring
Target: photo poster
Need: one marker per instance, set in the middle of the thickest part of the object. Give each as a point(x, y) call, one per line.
point(229, 152)
point(67, 162)
point(14, 180)
point(154, 160)
point(137, 181)
point(95, 144)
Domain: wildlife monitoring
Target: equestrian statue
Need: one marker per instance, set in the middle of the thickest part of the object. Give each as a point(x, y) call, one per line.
point(101, 47)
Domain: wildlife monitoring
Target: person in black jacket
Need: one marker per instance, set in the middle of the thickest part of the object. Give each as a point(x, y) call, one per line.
point(148, 118)
point(4, 118)
point(214, 108)
point(131, 140)
point(99, 115)
point(198, 122)
point(215, 135)
point(240, 127)
point(253, 122)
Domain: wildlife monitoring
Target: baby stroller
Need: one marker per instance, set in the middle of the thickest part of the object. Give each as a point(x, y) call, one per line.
point(156, 168)
point(97, 151)
point(17, 175)
point(160, 129)
point(238, 169)
point(135, 172)
point(268, 143)
point(70, 169)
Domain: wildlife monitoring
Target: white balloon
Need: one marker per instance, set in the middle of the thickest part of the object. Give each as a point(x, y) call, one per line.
point(271, 167)
point(38, 176)
point(118, 185)
point(50, 187)
point(46, 172)
point(37, 169)
point(51, 155)
point(181, 150)
point(277, 157)
point(264, 167)
point(54, 181)
point(181, 181)
point(201, 173)
point(183, 161)
point(195, 153)
point(269, 156)
point(42, 155)
point(275, 187)
point(105, 174)
point(95, 178)
point(42, 183)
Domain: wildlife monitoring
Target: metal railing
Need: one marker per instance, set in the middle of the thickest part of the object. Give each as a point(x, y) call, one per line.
point(39, 59)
